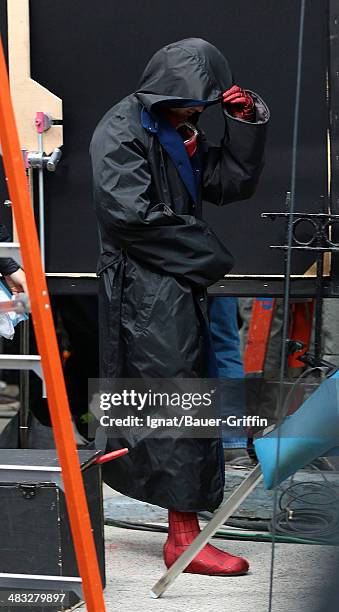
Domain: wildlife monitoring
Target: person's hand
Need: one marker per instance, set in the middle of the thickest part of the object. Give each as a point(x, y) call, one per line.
point(239, 103)
point(17, 282)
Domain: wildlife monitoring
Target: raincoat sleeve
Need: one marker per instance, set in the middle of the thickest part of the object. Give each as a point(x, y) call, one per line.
point(178, 245)
point(231, 171)
point(7, 265)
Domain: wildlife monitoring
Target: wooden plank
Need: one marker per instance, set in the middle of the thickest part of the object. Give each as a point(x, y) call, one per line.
point(28, 96)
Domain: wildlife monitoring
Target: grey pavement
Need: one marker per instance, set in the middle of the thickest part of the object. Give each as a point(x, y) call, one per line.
point(134, 563)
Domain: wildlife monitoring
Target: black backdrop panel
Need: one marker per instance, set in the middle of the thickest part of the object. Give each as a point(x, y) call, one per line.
point(91, 54)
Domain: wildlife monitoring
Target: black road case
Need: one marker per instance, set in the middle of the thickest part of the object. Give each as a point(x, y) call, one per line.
point(35, 535)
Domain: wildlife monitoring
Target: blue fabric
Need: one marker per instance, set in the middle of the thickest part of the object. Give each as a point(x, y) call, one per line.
point(184, 103)
point(15, 318)
point(226, 342)
point(209, 353)
point(172, 142)
point(334, 452)
point(223, 313)
point(309, 433)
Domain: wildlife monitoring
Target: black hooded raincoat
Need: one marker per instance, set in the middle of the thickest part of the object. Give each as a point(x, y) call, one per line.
point(158, 257)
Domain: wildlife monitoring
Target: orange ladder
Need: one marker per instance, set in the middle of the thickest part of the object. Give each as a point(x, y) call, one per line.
point(50, 358)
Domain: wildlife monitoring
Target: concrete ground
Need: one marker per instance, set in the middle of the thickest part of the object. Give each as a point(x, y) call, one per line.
point(134, 563)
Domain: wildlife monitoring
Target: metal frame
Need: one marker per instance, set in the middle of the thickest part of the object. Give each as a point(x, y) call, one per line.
point(233, 285)
point(32, 474)
point(323, 240)
point(11, 249)
point(24, 362)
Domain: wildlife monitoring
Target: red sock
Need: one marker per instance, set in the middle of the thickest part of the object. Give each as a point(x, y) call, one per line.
point(183, 528)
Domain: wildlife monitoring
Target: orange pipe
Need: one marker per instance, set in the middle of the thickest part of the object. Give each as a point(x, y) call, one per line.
point(301, 330)
point(49, 351)
point(258, 335)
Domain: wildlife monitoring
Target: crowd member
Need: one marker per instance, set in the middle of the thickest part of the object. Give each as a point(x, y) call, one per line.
point(223, 315)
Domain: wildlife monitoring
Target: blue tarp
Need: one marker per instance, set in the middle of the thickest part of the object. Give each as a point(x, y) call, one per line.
point(311, 432)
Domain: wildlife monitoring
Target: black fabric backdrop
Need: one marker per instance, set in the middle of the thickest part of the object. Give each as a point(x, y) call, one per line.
point(92, 53)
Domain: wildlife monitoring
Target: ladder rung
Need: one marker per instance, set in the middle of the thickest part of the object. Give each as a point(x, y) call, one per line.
point(11, 249)
point(23, 362)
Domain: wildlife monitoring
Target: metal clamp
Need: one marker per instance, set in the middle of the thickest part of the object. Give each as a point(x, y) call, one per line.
point(36, 159)
point(321, 241)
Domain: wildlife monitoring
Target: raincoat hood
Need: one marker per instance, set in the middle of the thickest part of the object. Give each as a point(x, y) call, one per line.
point(187, 72)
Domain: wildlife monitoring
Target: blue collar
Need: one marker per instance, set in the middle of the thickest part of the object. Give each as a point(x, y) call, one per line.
point(173, 144)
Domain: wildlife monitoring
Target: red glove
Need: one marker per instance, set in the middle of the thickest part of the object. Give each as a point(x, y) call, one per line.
point(239, 103)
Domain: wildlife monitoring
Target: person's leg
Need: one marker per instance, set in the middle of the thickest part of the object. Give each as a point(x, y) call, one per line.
point(226, 341)
point(183, 528)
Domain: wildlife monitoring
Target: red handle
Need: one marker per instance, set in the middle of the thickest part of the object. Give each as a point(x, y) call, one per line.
point(110, 456)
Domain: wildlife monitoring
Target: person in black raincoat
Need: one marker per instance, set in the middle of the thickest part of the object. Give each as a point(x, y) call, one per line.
point(158, 256)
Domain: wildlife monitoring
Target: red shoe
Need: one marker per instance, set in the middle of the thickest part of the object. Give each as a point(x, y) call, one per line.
point(183, 528)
